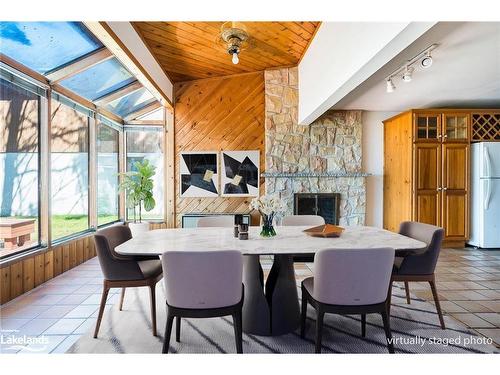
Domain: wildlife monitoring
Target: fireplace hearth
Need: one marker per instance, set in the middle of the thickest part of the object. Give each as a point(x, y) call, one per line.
point(326, 205)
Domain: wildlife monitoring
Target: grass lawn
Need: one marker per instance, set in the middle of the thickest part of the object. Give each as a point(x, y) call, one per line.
point(62, 225)
point(65, 225)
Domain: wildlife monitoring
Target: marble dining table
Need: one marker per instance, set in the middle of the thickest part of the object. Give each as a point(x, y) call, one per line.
point(270, 307)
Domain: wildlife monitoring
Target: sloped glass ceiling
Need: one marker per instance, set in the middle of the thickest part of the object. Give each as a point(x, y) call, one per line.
point(45, 46)
point(99, 80)
point(48, 46)
point(131, 102)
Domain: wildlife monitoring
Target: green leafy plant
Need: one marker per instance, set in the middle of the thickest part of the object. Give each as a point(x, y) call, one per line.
point(138, 186)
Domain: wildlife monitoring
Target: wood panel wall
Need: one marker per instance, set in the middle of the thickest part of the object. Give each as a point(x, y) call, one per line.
point(218, 114)
point(22, 276)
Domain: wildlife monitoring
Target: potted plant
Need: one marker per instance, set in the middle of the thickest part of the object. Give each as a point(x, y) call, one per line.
point(268, 206)
point(138, 186)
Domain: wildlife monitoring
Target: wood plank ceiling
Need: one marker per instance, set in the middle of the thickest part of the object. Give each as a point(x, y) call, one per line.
point(189, 50)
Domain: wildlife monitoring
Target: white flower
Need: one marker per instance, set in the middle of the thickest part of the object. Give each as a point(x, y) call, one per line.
point(268, 204)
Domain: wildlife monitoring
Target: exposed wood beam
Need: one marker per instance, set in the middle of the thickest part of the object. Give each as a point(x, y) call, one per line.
point(23, 69)
point(142, 111)
point(58, 88)
point(71, 95)
point(110, 115)
point(106, 35)
point(134, 86)
point(80, 65)
point(146, 122)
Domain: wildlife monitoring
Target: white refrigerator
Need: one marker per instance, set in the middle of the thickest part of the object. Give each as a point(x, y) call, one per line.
point(485, 195)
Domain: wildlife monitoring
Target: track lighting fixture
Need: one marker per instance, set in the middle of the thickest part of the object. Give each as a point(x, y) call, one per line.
point(407, 75)
point(390, 86)
point(427, 60)
point(406, 71)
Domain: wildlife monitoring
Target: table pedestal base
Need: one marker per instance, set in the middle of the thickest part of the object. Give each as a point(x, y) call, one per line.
point(275, 311)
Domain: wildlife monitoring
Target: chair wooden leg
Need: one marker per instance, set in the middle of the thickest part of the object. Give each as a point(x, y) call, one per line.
point(121, 298)
point(387, 329)
point(389, 298)
point(320, 314)
point(152, 296)
point(303, 315)
point(178, 329)
point(238, 332)
point(104, 297)
point(363, 325)
point(168, 332)
point(436, 301)
point(407, 290)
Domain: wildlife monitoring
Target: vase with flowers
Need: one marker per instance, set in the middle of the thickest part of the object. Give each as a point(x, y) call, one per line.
point(268, 207)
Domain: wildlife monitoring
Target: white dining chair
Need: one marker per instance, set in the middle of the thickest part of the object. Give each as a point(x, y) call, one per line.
point(203, 285)
point(300, 220)
point(215, 221)
point(349, 282)
point(303, 220)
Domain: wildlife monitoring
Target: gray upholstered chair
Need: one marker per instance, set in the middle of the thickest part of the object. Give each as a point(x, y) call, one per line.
point(216, 221)
point(203, 285)
point(349, 282)
point(300, 220)
point(420, 267)
point(124, 271)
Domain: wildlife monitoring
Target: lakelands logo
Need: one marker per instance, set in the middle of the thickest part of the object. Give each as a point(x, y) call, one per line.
point(14, 342)
point(444, 341)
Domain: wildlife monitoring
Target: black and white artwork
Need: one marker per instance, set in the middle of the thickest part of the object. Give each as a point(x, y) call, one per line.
point(240, 173)
point(198, 174)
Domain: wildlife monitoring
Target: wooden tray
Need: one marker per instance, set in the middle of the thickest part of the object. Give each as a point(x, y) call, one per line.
point(327, 230)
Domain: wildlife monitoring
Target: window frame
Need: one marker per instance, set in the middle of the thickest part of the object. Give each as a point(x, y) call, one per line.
point(48, 87)
point(144, 127)
point(102, 120)
point(90, 115)
point(24, 83)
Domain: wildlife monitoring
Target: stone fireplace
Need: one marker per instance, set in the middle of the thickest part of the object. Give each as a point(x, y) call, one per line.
point(324, 157)
point(326, 205)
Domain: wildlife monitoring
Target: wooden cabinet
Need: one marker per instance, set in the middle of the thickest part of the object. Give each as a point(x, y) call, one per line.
point(430, 170)
point(427, 183)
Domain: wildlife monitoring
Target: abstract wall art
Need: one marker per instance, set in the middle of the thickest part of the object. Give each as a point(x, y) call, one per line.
point(198, 174)
point(240, 173)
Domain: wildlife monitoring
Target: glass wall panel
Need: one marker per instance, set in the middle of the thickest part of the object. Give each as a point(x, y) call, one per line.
point(19, 168)
point(107, 174)
point(99, 80)
point(45, 46)
point(131, 102)
point(69, 171)
point(147, 144)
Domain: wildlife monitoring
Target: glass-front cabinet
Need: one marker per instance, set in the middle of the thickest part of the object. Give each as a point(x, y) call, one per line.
point(427, 126)
point(441, 126)
point(455, 127)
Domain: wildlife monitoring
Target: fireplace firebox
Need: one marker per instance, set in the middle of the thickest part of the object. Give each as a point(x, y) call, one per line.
point(326, 205)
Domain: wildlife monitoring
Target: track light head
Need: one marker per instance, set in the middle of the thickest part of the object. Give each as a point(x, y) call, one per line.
point(426, 61)
point(390, 87)
point(407, 75)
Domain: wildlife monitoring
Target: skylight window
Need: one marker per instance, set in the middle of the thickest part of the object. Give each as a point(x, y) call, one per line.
point(45, 46)
point(99, 80)
point(131, 103)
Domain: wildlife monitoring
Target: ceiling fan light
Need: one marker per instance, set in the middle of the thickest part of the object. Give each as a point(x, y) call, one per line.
point(235, 58)
point(390, 87)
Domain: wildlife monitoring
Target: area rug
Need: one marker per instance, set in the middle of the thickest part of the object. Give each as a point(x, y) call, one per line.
point(415, 329)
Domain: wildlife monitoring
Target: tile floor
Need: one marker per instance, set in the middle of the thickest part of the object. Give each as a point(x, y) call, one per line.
point(63, 309)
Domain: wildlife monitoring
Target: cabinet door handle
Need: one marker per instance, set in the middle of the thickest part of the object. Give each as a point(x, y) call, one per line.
point(438, 189)
point(445, 136)
point(445, 188)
